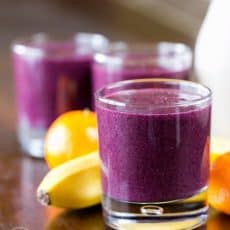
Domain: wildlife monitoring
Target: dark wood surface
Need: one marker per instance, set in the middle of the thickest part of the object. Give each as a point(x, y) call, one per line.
point(19, 177)
point(19, 174)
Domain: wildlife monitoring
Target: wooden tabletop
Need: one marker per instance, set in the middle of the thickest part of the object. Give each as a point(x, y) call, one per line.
point(19, 174)
point(19, 178)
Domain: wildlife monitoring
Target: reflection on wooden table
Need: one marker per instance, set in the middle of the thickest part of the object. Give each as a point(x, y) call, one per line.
point(90, 219)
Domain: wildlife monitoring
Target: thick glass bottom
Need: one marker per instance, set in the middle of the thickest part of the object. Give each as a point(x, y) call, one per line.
point(32, 140)
point(188, 213)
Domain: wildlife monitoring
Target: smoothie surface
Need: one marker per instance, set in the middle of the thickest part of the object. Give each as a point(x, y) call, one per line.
point(154, 101)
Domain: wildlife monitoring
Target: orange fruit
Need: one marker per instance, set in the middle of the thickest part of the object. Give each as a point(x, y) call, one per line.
point(219, 184)
point(71, 135)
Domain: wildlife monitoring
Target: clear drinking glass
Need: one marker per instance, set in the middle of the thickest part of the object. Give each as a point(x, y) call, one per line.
point(122, 61)
point(52, 76)
point(154, 149)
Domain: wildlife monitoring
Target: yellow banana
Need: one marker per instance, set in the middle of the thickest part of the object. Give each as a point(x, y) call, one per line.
point(74, 184)
point(219, 146)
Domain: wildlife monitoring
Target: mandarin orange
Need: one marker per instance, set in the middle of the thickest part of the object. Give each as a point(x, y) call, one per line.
point(219, 184)
point(72, 134)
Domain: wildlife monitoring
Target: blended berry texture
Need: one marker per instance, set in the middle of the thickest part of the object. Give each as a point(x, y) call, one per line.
point(153, 155)
point(48, 86)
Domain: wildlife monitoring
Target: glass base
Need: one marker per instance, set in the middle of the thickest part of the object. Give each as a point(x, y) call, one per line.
point(32, 140)
point(187, 213)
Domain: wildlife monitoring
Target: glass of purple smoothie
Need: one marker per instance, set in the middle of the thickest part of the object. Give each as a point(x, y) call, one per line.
point(52, 76)
point(122, 61)
point(154, 149)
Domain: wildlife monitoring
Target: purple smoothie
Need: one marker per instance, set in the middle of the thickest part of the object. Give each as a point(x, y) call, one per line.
point(49, 85)
point(103, 75)
point(156, 155)
point(124, 61)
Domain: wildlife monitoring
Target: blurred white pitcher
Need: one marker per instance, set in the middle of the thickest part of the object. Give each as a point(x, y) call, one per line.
point(212, 64)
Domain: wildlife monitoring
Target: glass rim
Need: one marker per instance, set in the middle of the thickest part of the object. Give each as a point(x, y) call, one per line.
point(113, 54)
point(99, 97)
point(24, 44)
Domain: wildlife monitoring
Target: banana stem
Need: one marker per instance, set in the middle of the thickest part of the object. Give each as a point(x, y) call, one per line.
point(43, 197)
